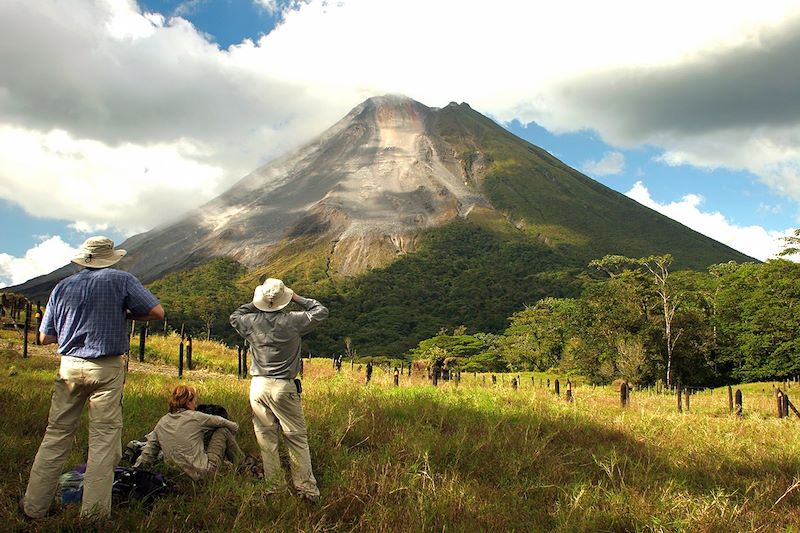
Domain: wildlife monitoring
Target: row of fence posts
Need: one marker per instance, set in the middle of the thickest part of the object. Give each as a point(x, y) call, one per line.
point(516, 382)
point(185, 348)
point(17, 306)
point(784, 404)
point(735, 402)
point(16, 310)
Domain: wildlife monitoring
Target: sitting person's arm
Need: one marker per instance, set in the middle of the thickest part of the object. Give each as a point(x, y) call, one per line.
point(150, 451)
point(213, 422)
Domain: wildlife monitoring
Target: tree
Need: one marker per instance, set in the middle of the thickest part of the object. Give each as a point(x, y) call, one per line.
point(537, 335)
point(632, 359)
point(349, 351)
point(458, 350)
point(658, 267)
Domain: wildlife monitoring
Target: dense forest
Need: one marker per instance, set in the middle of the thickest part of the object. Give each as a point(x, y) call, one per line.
point(616, 317)
point(637, 320)
point(453, 280)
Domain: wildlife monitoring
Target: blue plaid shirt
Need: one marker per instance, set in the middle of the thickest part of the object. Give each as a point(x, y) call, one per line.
point(86, 311)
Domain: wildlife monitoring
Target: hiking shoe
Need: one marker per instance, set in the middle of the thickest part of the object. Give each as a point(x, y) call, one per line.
point(311, 500)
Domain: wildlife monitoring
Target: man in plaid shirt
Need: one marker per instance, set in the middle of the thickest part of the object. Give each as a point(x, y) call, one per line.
point(87, 316)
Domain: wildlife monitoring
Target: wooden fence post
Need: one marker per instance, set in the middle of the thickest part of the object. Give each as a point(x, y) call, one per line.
point(678, 391)
point(142, 341)
point(301, 367)
point(548, 383)
point(557, 388)
point(730, 400)
point(686, 394)
point(189, 364)
point(569, 390)
point(785, 405)
point(180, 359)
point(738, 407)
point(514, 383)
point(623, 395)
point(396, 377)
point(494, 379)
point(779, 402)
point(25, 330)
point(239, 357)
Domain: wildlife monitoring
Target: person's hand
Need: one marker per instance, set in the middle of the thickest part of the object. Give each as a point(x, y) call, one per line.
point(295, 297)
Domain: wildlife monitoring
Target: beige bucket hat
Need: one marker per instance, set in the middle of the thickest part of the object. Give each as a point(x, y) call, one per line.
point(98, 252)
point(272, 295)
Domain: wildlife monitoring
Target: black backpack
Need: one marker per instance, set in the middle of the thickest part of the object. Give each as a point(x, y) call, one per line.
point(131, 484)
point(213, 409)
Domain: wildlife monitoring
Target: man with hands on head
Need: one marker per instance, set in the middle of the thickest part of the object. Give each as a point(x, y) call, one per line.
point(87, 316)
point(274, 335)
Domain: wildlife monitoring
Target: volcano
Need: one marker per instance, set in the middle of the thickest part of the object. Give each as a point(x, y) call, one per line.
point(366, 189)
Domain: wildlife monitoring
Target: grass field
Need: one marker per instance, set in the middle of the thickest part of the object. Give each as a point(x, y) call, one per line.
point(475, 457)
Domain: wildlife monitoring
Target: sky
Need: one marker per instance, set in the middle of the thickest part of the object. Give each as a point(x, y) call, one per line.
point(117, 116)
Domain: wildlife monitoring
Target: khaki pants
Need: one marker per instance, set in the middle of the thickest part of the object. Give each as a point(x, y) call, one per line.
point(221, 445)
point(276, 406)
point(100, 382)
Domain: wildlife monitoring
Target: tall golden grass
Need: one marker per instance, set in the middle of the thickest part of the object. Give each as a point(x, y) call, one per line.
point(471, 457)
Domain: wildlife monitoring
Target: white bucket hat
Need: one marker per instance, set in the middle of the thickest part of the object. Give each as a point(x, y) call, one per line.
point(98, 252)
point(272, 295)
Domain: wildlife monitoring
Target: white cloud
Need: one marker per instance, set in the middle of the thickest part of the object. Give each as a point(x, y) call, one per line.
point(270, 6)
point(51, 253)
point(769, 209)
point(132, 185)
point(188, 7)
point(94, 92)
point(127, 118)
point(85, 227)
point(611, 163)
point(754, 241)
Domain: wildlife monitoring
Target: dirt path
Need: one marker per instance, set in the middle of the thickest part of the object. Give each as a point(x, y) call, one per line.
point(134, 365)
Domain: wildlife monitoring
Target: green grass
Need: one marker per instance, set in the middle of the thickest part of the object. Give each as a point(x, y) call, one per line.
point(469, 458)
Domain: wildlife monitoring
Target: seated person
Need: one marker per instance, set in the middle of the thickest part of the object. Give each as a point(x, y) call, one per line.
point(180, 435)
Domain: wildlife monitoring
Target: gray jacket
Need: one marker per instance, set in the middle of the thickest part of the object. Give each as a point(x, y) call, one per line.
point(180, 436)
point(274, 337)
